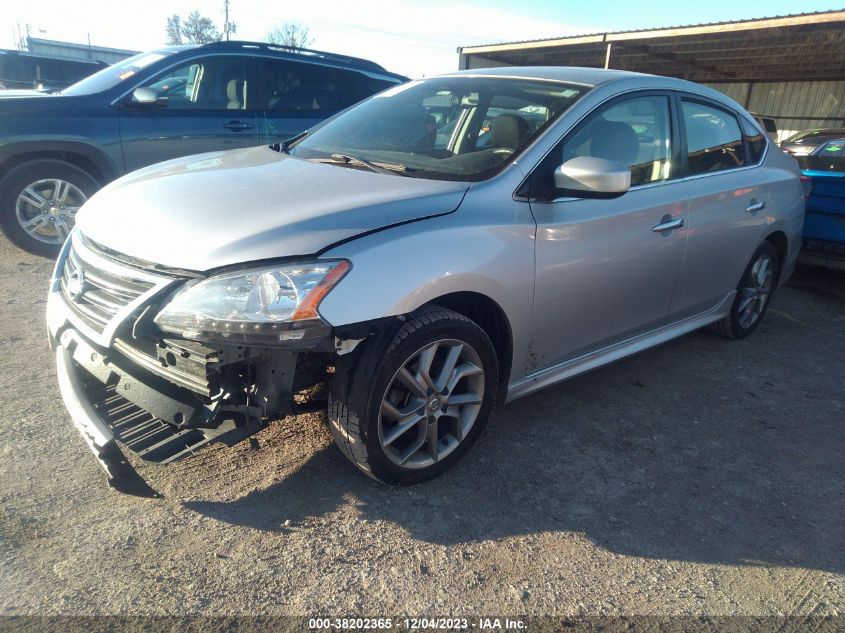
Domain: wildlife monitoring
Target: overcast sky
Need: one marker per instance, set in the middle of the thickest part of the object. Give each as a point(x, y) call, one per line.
point(412, 37)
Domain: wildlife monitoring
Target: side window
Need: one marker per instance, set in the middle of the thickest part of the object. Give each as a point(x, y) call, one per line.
point(208, 83)
point(635, 132)
point(364, 86)
point(301, 87)
point(714, 141)
point(756, 142)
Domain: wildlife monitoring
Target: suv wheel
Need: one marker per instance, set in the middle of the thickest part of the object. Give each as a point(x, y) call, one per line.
point(752, 295)
point(416, 406)
point(39, 201)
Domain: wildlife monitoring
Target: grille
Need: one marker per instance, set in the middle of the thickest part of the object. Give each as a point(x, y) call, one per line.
point(96, 295)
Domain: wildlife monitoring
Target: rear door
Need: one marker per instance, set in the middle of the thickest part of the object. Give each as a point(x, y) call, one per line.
point(603, 273)
point(205, 104)
point(728, 202)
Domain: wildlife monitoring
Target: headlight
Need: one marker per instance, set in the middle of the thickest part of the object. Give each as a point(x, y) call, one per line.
point(270, 305)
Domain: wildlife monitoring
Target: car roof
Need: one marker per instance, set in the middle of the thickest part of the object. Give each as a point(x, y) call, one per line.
point(298, 54)
point(572, 74)
point(594, 77)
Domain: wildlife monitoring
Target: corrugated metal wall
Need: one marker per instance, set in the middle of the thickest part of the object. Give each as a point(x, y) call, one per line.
point(476, 61)
point(795, 105)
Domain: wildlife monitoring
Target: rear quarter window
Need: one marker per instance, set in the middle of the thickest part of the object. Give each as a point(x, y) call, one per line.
point(756, 142)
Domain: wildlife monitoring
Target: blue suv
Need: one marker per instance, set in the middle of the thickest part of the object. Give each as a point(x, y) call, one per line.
point(57, 150)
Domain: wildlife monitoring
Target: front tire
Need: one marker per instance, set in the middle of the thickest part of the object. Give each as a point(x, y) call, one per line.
point(38, 203)
point(753, 294)
point(412, 408)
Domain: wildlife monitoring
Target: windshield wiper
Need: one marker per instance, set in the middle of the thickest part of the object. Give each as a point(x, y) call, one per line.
point(380, 168)
point(284, 146)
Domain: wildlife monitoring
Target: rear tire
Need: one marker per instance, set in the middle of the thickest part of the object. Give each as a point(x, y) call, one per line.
point(38, 203)
point(412, 407)
point(753, 294)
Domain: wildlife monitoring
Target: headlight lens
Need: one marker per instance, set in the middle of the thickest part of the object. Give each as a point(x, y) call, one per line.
point(259, 303)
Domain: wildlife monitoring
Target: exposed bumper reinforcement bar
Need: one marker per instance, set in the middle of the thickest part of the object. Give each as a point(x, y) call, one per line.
point(121, 475)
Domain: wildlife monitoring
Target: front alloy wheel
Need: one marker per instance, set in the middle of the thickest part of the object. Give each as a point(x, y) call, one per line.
point(431, 404)
point(38, 203)
point(415, 400)
point(46, 209)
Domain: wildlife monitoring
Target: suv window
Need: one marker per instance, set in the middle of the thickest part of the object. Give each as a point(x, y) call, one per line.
point(208, 83)
point(714, 141)
point(365, 86)
point(635, 132)
point(302, 87)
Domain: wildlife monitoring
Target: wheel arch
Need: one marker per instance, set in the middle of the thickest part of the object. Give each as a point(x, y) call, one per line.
point(780, 241)
point(491, 318)
point(81, 155)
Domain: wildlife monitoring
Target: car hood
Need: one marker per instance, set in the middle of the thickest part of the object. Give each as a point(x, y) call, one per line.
point(30, 102)
point(15, 93)
point(223, 208)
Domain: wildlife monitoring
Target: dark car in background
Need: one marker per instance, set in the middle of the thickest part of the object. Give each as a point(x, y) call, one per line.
point(806, 142)
point(57, 150)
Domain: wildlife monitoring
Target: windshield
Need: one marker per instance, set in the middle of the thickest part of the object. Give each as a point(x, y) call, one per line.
point(115, 74)
point(831, 157)
point(446, 128)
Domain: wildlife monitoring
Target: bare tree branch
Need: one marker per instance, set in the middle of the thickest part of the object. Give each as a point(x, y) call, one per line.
point(174, 30)
point(196, 29)
point(290, 35)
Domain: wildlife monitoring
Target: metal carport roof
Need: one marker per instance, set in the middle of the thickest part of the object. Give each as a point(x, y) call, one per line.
point(805, 47)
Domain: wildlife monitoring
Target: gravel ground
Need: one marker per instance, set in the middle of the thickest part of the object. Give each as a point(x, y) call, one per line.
point(701, 477)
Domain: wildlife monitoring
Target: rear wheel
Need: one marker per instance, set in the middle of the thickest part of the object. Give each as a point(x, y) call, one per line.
point(414, 408)
point(752, 295)
point(38, 203)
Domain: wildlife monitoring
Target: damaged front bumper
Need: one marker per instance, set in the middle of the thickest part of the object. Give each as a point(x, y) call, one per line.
point(161, 398)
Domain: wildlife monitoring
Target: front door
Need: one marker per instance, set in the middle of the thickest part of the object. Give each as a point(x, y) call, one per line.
point(603, 273)
point(206, 104)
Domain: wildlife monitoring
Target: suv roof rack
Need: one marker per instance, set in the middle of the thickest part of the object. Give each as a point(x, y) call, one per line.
point(305, 52)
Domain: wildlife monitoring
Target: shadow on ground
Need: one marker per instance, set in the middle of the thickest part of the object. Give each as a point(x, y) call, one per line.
point(700, 450)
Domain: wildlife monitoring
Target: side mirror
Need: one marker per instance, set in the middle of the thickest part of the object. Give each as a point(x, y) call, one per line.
point(595, 177)
point(147, 96)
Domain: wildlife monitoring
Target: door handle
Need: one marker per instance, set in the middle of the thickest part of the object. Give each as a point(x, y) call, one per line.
point(755, 206)
point(237, 126)
point(667, 224)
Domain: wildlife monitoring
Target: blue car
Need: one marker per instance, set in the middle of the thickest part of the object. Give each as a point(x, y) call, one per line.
point(823, 173)
point(57, 150)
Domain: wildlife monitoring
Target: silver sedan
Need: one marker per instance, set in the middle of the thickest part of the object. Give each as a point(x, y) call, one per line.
point(443, 246)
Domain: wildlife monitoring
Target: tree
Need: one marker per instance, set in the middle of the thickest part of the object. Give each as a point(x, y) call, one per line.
point(174, 30)
point(197, 29)
point(290, 35)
